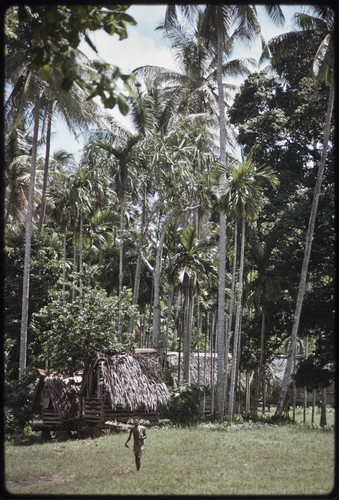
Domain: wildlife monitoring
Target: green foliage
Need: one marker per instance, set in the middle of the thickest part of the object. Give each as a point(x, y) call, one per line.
point(18, 396)
point(46, 269)
point(185, 405)
point(50, 36)
point(68, 330)
point(309, 374)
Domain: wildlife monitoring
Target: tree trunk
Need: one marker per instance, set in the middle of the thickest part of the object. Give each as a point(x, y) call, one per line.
point(138, 266)
point(260, 378)
point(121, 260)
point(46, 167)
point(81, 237)
point(220, 386)
point(237, 324)
point(169, 314)
point(188, 312)
point(230, 311)
point(323, 415)
point(156, 281)
point(28, 245)
point(64, 267)
point(307, 254)
point(314, 392)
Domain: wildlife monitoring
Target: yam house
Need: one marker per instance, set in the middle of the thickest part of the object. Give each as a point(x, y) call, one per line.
point(116, 387)
point(56, 401)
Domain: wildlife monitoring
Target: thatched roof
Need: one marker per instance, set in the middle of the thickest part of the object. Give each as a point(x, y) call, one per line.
point(132, 381)
point(203, 367)
point(63, 392)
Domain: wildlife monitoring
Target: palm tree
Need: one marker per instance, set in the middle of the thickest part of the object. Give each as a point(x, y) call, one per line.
point(242, 195)
point(266, 289)
point(28, 239)
point(191, 265)
point(219, 21)
point(76, 111)
point(120, 148)
point(27, 92)
point(322, 21)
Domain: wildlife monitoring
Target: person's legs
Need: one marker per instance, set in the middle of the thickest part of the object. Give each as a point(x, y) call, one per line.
point(137, 461)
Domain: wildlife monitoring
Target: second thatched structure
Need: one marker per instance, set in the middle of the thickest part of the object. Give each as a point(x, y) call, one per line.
point(116, 387)
point(56, 401)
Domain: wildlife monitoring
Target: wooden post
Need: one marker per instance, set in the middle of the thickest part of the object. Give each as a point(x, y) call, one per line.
point(323, 416)
point(313, 404)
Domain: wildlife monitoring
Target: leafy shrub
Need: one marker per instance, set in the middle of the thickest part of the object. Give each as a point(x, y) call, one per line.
point(17, 407)
point(185, 405)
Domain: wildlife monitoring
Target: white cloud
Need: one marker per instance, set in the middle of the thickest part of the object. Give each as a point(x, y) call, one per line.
point(137, 50)
point(145, 46)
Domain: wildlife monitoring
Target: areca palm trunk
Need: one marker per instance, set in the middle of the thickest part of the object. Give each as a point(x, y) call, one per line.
point(237, 325)
point(220, 386)
point(230, 311)
point(137, 277)
point(306, 259)
point(188, 313)
point(156, 281)
point(28, 245)
point(121, 257)
point(259, 381)
point(81, 236)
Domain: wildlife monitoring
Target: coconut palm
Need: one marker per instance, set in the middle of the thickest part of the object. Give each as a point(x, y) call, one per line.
point(220, 21)
point(317, 19)
point(28, 92)
point(28, 239)
point(120, 149)
point(217, 24)
point(76, 111)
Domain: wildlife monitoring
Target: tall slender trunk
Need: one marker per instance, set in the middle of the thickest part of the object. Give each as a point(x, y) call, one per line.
point(237, 325)
point(230, 310)
point(156, 281)
point(169, 314)
point(307, 254)
point(260, 379)
point(64, 267)
point(188, 314)
point(28, 245)
point(220, 386)
point(121, 259)
point(138, 266)
point(46, 167)
point(81, 237)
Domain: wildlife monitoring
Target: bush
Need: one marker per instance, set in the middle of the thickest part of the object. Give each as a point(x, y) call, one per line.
point(185, 405)
point(17, 407)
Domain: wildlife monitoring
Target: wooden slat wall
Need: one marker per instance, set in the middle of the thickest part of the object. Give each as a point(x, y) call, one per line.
point(96, 411)
point(50, 416)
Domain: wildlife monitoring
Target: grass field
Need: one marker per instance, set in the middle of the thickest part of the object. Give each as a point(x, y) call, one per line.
point(209, 459)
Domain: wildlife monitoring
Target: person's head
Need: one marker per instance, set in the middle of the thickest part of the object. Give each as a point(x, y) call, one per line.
point(135, 422)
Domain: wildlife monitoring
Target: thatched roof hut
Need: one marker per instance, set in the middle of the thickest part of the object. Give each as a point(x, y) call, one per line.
point(275, 371)
point(56, 398)
point(203, 368)
point(118, 385)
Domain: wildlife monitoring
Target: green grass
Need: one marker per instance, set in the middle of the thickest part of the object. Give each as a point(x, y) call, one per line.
point(249, 459)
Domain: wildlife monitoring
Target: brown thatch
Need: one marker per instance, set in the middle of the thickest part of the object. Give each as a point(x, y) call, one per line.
point(203, 368)
point(132, 381)
point(53, 392)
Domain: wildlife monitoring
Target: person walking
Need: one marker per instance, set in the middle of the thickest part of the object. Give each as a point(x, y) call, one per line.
point(138, 432)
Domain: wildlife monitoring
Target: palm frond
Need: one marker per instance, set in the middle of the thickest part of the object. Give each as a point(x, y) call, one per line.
point(275, 13)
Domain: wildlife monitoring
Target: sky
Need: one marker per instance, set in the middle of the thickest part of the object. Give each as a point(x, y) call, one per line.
point(146, 46)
